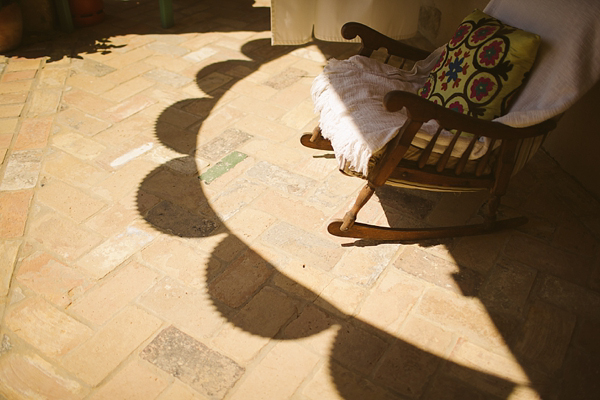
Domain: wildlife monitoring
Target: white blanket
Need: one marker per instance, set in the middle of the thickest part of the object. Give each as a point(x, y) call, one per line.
point(349, 97)
point(568, 64)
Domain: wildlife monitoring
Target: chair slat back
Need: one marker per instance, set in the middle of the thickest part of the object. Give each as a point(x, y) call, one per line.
point(427, 152)
point(443, 161)
point(462, 163)
point(484, 161)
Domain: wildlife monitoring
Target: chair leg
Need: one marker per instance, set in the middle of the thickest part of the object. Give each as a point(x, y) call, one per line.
point(314, 140)
point(493, 204)
point(364, 196)
point(316, 134)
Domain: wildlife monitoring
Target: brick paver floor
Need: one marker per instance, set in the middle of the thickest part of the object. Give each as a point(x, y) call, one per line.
point(162, 236)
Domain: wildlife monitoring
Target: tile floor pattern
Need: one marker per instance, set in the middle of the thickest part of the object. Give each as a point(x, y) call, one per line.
point(162, 236)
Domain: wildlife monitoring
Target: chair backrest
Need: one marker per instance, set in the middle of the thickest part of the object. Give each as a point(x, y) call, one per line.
point(568, 60)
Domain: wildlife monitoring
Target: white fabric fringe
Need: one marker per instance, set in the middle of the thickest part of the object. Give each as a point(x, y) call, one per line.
point(349, 97)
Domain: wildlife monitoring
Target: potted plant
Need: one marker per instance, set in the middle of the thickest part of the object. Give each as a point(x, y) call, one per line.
point(87, 12)
point(11, 25)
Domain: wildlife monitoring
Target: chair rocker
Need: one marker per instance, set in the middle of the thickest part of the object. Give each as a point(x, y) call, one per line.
point(509, 148)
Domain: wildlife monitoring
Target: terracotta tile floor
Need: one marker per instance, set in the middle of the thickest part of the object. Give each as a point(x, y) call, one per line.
point(162, 236)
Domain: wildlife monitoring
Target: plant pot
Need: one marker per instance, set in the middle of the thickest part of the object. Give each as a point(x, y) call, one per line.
point(11, 27)
point(87, 12)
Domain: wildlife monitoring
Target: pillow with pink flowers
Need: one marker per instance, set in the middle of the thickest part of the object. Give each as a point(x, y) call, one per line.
point(482, 67)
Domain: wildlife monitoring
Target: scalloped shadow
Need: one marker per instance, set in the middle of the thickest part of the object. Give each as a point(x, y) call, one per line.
point(357, 364)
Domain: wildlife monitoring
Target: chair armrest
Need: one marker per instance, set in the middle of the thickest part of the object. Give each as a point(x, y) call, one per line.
point(373, 40)
point(422, 110)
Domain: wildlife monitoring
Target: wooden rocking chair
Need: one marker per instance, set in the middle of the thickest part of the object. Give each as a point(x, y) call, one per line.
point(509, 147)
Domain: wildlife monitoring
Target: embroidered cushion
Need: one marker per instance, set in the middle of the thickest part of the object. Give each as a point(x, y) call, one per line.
point(481, 67)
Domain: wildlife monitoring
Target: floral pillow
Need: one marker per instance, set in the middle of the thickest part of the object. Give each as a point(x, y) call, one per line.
point(482, 67)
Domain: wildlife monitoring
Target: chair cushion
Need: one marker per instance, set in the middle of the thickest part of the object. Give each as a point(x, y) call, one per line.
point(481, 67)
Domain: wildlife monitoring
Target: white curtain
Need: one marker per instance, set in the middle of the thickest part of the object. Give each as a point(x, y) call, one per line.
point(293, 21)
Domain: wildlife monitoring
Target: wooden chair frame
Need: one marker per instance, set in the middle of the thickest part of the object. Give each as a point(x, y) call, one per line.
point(505, 141)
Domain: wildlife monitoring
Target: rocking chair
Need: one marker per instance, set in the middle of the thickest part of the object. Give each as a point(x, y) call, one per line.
point(554, 84)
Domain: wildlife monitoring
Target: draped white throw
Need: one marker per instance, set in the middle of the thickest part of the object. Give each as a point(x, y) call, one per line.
point(568, 60)
point(293, 21)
